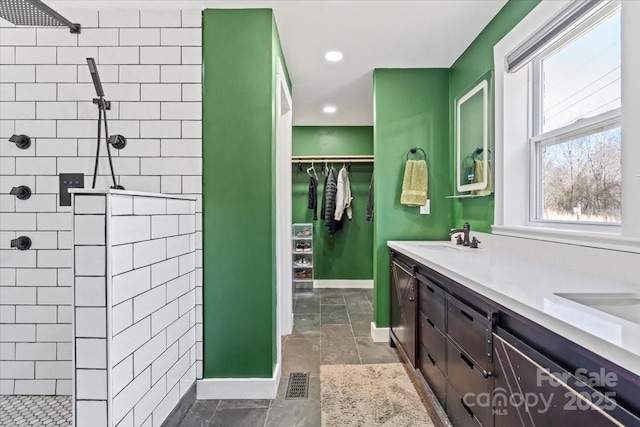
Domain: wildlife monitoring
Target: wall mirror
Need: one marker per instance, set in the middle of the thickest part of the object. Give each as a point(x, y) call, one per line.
point(473, 138)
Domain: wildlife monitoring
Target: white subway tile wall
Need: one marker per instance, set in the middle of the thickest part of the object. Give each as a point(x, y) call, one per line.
point(150, 65)
point(150, 344)
point(91, 306)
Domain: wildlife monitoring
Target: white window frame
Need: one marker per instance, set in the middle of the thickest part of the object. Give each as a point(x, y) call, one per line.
point(515, 124)
point(587, 126)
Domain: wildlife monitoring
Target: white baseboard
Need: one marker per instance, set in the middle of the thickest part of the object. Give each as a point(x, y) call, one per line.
point(379, 334)
point(240, 388)
point(343, 284)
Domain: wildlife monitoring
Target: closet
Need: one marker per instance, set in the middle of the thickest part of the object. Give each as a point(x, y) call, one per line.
point(342, 254)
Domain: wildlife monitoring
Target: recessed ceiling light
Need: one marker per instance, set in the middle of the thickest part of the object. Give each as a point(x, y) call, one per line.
point(329, 109)
point(333, 56)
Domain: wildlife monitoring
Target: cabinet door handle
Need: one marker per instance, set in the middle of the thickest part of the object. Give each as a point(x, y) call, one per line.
point(433, 362)
point(466, 408)
point(431, 323)
point(431, 289)
point(466, 360)
point(467, 315)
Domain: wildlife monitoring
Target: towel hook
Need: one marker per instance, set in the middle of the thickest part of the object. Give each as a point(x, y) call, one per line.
point(414, 150)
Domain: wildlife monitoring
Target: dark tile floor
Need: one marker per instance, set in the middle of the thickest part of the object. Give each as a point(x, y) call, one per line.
point(331, 326)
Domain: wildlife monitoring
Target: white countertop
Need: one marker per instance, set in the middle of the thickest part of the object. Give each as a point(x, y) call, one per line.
point(528, 288)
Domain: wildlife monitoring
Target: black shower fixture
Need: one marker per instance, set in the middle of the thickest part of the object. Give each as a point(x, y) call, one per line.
point(34, 13)
point(117, 141)
point(22, 243)
point(22, 192)
point(22, 141)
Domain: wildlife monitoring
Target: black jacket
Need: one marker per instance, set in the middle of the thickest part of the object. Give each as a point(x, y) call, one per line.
point(329, 195)
point(313, 197)
point(370, 202)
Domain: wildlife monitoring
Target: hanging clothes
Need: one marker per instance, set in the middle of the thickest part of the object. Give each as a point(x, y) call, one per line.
point(330, 193)
point(323, 207)
point(343, 195)
point(313, 196)
point(370, 202)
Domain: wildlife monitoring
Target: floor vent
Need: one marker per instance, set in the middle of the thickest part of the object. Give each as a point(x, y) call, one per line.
point(298, 387)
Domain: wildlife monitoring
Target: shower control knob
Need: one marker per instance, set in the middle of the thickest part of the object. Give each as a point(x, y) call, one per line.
point(22, 243)
point(22, 192)
point(22, 141)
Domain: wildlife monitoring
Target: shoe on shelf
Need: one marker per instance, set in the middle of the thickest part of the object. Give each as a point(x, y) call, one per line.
point(303, 233)
point(303, 247)
point(302, 262)
point(302, 274)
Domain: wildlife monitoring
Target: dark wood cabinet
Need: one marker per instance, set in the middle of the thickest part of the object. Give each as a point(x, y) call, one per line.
point(403, 308)
point(478, 359)
point(526, 394)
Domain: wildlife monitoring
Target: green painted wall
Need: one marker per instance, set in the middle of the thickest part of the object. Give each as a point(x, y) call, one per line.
point(410, 109)
point(239, 51)
point(469, 67)
point(347, 254)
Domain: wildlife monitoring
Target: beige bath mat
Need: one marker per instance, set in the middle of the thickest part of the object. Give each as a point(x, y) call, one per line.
point(370, 395)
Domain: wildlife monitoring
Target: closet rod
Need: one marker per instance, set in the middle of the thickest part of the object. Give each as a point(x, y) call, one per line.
point(336, 159)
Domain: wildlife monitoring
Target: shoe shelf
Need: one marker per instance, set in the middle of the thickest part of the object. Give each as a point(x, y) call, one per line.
point(302, 258)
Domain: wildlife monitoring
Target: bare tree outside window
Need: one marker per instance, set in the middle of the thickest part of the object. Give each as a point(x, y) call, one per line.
point(582, 178)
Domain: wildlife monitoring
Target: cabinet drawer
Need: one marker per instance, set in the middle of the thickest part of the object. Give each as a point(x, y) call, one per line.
point(459, 414)
point(432, 301)
point(471, 331)
point(466, 378)
point(434, 376)
point(433, 340)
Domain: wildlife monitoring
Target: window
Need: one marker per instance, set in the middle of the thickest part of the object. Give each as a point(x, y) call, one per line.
point(567, 163)
point(576, 145)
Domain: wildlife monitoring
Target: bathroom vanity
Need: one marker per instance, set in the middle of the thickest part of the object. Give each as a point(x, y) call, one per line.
point(501, 340)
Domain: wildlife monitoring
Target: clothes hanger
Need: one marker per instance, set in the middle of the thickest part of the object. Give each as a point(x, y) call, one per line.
point(312, 169)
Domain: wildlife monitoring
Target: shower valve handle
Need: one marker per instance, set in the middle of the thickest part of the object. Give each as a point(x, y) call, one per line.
point(22, 192)
point(22, 243)
point(22, 141)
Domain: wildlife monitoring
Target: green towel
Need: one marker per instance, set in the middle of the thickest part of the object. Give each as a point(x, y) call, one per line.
point(414, 184)
point(478, 171)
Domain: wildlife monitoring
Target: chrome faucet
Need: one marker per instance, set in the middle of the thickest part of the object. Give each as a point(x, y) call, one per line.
point(465, 230)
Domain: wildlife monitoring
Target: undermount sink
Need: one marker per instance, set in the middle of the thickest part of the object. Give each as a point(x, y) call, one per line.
point(623, 305)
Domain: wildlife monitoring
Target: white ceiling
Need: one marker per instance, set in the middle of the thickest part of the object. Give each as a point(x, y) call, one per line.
point(371, 34)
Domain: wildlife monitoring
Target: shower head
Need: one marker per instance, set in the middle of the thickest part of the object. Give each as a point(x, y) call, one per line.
point(34, 13)
point(95, 76)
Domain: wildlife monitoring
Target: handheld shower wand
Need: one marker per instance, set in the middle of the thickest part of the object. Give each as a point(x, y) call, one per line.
point(118, 141)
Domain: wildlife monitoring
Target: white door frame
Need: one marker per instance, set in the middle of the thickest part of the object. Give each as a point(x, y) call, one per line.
point(284, 120)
